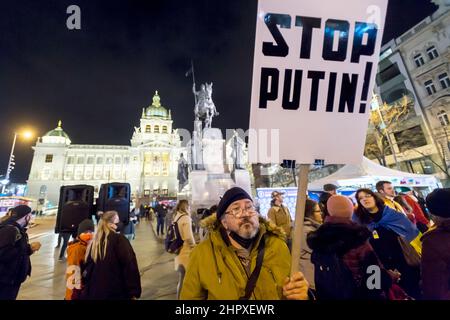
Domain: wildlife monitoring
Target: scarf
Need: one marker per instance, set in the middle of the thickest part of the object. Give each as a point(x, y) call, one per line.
point(245, 243)
point(396, 222)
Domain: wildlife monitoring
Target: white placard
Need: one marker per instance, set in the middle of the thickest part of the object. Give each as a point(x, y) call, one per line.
point(313, 75)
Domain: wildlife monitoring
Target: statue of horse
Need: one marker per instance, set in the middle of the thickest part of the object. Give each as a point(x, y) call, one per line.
point(205, 108)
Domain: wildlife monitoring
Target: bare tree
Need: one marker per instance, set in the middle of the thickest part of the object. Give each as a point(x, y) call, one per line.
point(383, 121)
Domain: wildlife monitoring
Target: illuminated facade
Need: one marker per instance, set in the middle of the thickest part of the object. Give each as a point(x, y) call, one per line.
point(149, 164)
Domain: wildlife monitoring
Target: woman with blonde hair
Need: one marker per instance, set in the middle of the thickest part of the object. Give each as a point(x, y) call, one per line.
point(184, 221)
point(111, 270)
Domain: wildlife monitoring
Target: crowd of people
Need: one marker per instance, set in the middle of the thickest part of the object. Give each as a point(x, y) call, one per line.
point(378, 246)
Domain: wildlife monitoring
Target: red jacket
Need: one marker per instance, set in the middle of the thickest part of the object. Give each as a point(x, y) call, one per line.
point(417, 210)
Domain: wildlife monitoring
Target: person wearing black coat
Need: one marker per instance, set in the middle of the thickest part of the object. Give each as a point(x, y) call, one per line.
point(111, 271)
point(436, 248)
point(349, 242)
point(15, 251)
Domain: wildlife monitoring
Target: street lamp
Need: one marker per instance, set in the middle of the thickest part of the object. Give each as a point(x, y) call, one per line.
point(11, 163)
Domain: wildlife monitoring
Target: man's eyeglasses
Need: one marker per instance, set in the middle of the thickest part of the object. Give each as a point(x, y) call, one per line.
point(238, 212)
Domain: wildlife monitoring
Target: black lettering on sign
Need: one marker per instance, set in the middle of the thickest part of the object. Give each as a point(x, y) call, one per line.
point(331, 91)
point(365, 91)
point(315, 76)
point(265, 94)
point(295, 103)
point(330, 27)
point(281, 49)
point(359, 48)
point(348, 92)
point(307, 24)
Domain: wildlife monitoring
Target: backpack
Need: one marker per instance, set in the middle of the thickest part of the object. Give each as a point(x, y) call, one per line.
point(333, 279)
point(173, 241)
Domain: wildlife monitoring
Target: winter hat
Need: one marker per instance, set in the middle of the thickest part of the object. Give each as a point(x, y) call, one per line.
point(19, 212)
point(438, 202)
point(85, 225)
point(340, 206)
point(232, 195)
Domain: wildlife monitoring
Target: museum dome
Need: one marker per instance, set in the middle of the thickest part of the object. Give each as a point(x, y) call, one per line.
point(57, 135)
point(156, 109)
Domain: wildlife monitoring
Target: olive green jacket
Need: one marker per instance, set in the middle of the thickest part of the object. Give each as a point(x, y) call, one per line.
point(214, 271)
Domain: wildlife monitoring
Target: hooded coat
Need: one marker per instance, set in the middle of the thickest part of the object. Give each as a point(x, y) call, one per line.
point(215, 272)
point(15, 251)
point(350, 242)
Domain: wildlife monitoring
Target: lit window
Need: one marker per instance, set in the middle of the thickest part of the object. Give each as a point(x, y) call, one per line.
point(78, 174)
point(98, 175)
point(46, 174)
point(164, 129)
point(444, 80)
point(443, 118)
point(88, 174)
point(109, 160)
point(148, 129)
point(80, 160)
point(429, 85)
point(100, 160)
point(68, 175)
point(156, 129)
point(432, 53)
point(48, 158)
point(90, 160)
point(418, 59)
point(70, 160)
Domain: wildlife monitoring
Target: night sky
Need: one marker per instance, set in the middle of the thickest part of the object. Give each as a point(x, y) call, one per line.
point(98, 79)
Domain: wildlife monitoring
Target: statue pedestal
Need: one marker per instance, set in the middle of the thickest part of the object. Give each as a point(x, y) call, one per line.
point(213, 151)
point(242, 180)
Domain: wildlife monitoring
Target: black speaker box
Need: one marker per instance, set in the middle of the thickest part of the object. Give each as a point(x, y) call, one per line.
point(115, 196)
point(75, 205)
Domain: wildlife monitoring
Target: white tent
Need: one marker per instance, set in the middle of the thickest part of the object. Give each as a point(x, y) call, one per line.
point(368, 173)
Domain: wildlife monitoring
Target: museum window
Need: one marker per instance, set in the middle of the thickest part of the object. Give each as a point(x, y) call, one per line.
point(100, 160)
point(126, 160)
point(148, 129)
point(429, 85)
point(98, 174)
point(48, 158)
point(80, 160)
point(88, 175)
point(90, 160)
point(46, 174)
point(443, 118)
point(156, 129)
point(109, 160)
point(164, 129)
point(432, 53)
point(68, 175)
point(444, 80)
point(70, 160)
point(78, 174)
point(418, 59)
point(118, 160)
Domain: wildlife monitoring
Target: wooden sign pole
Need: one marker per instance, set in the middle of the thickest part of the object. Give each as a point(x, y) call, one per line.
point(299, 217)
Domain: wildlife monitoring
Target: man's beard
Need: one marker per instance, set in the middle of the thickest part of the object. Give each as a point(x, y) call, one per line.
point(247, 229)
